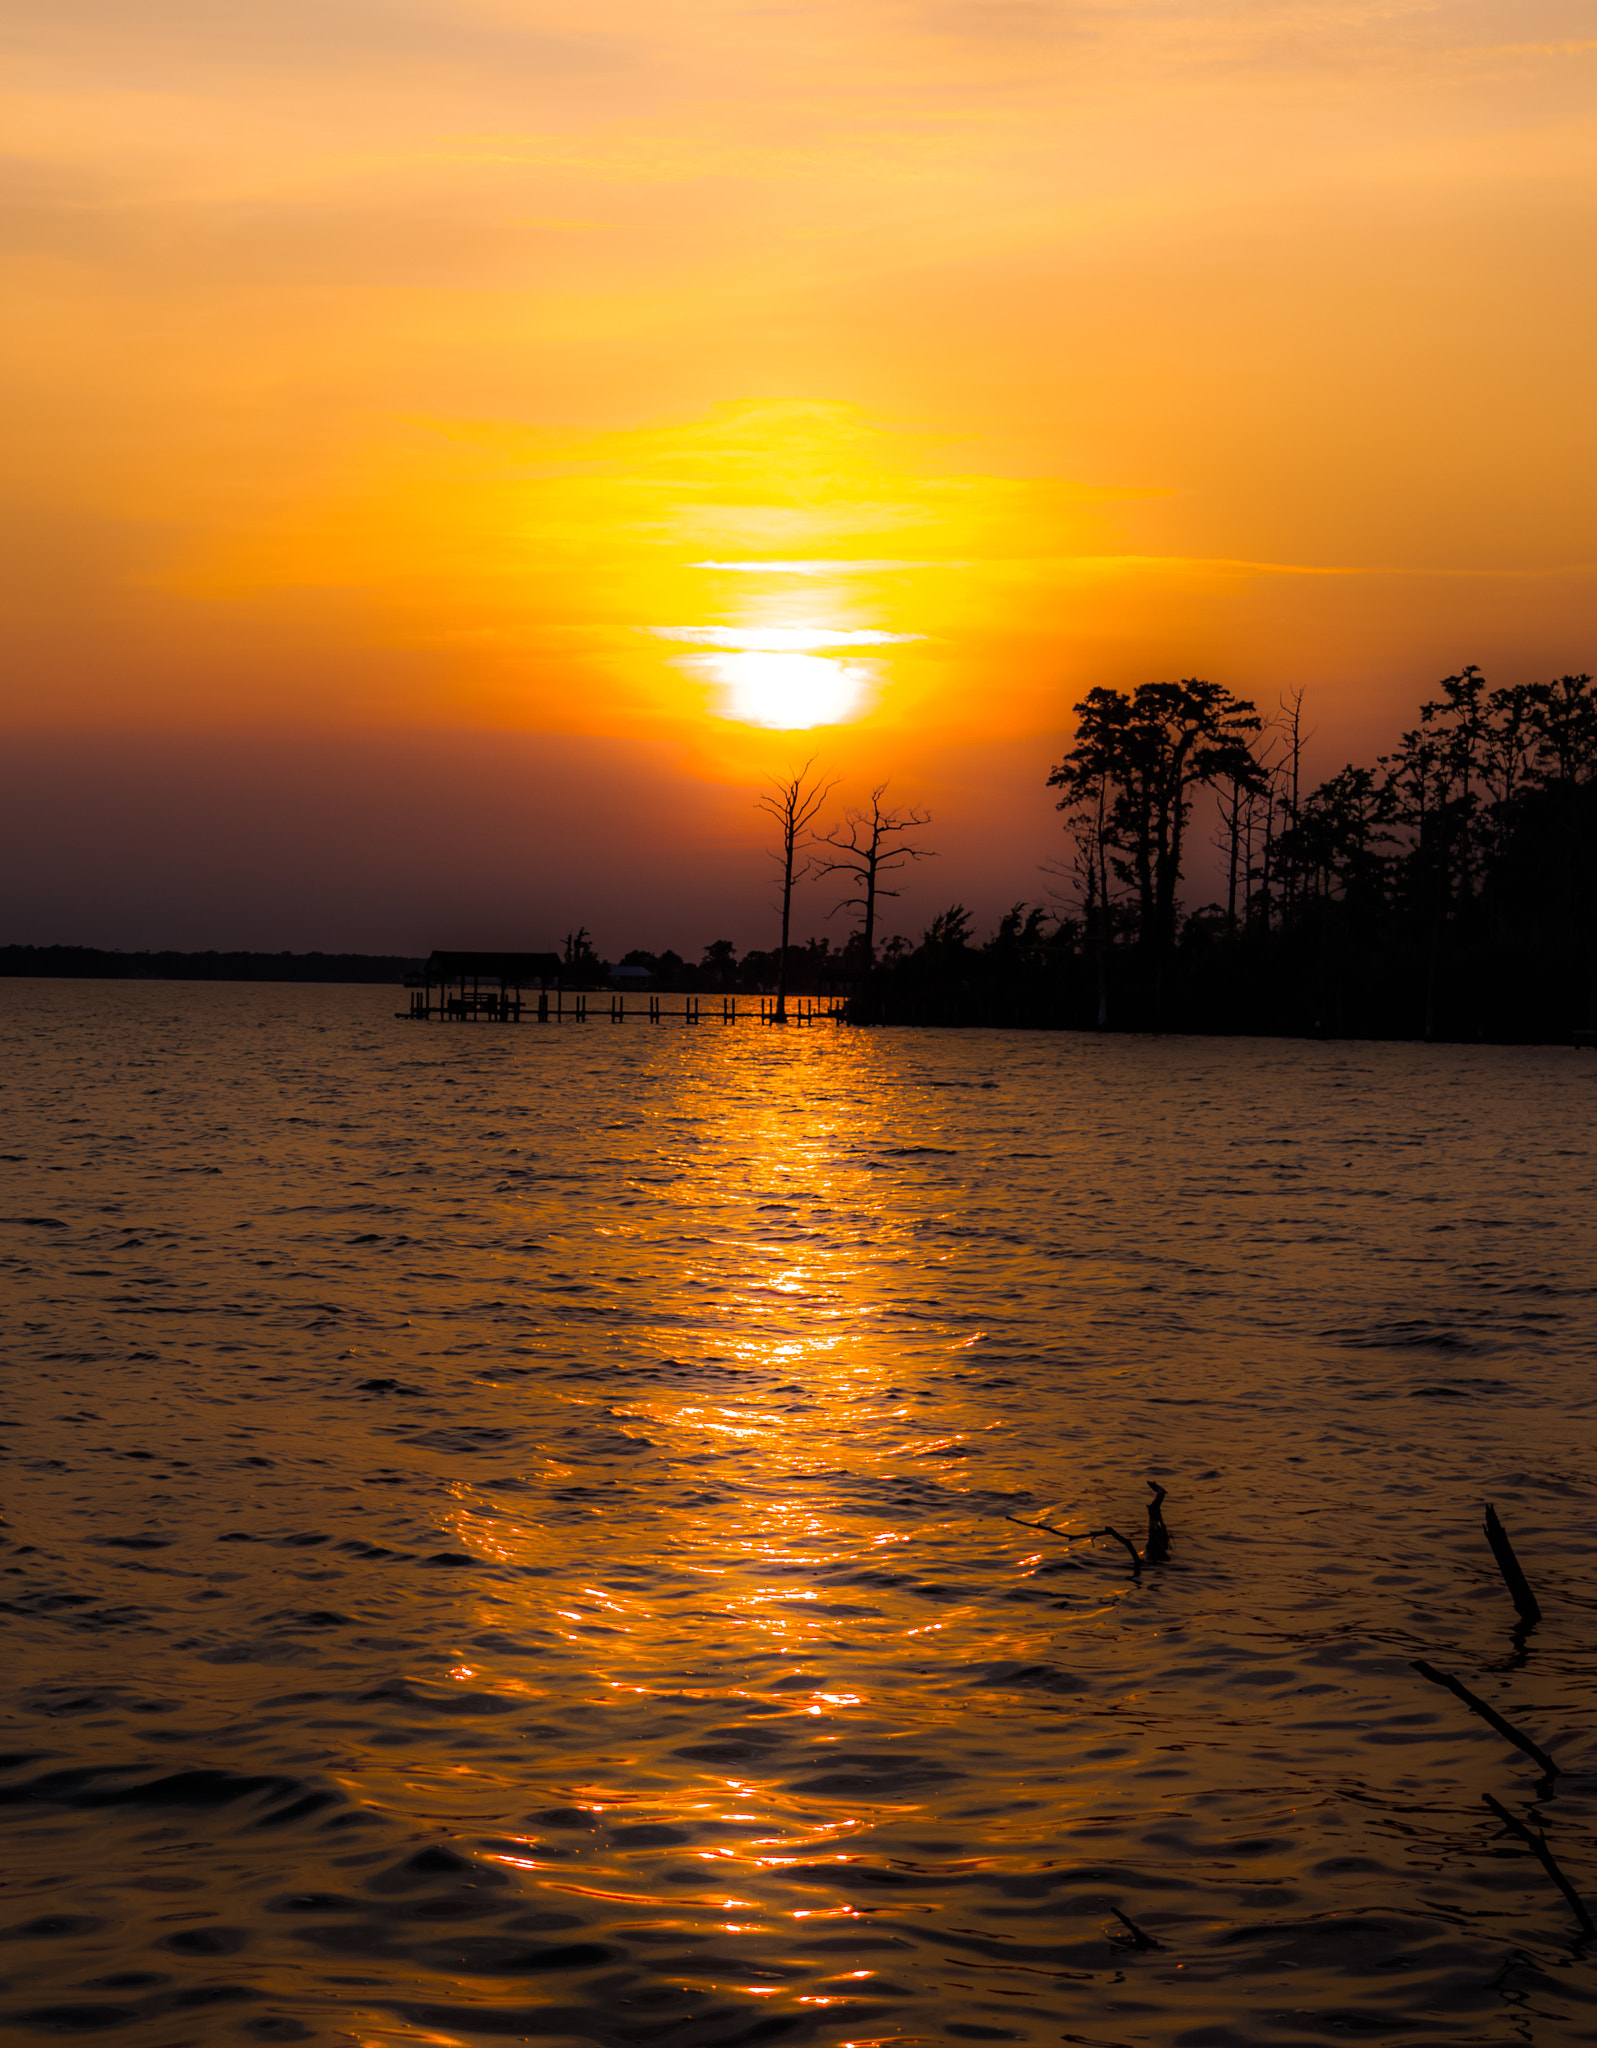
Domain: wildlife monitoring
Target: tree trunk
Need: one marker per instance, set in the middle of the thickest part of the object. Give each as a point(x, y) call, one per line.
point(1172, 881)
point(1231, 865)
point(1297, 758)
point(1103, 919)
point(787, 913)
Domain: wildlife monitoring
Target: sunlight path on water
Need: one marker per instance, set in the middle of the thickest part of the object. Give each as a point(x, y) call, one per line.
point(508, 1531)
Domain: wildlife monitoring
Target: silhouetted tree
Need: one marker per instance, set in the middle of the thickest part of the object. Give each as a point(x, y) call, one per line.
point(1335, 846)
point(1233, 803)
point(582, 963)
point(870, 844)
point(1450, 889)
point(794, 805)
point(813, 963)
point(1290, 726)
point(1019, 931)
point(947, 937)
point(1428, 788)
point(719, 963)
point(1087, 777)
point(1127, 786)
point(1446, 871)
point(1563, 719)
point(1019, 948)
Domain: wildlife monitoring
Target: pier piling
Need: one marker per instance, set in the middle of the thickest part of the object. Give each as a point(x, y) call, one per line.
point(477, 988)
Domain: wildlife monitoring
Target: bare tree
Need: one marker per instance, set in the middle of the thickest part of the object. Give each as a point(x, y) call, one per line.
point(1089, 885)
point(1232, 801)
point(1237, 800)
point(794, 805)
point(1291, 723)
point(870, 844)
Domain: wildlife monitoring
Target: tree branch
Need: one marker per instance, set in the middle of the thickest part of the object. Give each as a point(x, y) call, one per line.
point(1518, 1586)
point(1537, 1844)
point(1488, 1714)
point(1083, 1536)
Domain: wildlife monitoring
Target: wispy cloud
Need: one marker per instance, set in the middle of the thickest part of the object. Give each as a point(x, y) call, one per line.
point(830, 566)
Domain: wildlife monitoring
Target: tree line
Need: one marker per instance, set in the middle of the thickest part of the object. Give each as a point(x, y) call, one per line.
point(98, 963)
point(1447, 890)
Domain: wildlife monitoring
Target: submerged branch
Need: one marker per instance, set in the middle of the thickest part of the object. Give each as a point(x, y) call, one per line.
point(1125, 1542)
point(1070, 1535)
point(1156, 1550)
point(1138, 1937)
point(1487, 1714)
point(1537, 1844)
point(1518, 1585)
point(1081, 1536)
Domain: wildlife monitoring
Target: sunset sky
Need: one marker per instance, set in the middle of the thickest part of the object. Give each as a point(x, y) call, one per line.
point(456, 449)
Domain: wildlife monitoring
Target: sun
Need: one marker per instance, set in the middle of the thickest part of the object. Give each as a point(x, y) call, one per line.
point(786, 675)
point(789, 691)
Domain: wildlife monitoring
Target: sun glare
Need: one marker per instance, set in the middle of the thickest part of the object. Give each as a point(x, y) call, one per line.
point(789, 691)
point(787, 675)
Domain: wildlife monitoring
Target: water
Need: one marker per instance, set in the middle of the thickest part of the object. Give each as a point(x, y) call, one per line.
point(506, 1531)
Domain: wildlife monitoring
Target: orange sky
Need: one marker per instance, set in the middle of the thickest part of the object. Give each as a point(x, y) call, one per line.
point(526, 425)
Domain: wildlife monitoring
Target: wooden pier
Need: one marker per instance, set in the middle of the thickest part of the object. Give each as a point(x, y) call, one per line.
point(512, 988)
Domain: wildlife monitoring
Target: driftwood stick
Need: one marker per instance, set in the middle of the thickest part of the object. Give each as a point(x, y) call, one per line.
point(1081, 1536)
point(1139, 1939)
point(1124, 1541)
point(1488, 1714)
point(1070, 1535)
point(1508, 1564)
point(1537, 1844)
point(1157, 1548)
point(1155, 1551)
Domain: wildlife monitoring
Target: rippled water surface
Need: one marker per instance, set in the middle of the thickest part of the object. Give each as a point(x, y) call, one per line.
point(507, 1531)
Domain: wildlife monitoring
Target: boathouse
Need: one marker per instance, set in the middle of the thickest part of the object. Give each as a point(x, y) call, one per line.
point(480, 987)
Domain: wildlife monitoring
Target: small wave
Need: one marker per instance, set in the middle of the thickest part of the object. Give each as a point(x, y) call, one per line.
point(84, 1788)
point(1411, 1334)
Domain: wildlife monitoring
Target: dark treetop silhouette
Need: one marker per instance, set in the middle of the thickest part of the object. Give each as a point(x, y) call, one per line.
point(868, 845)
point(1447, 891)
